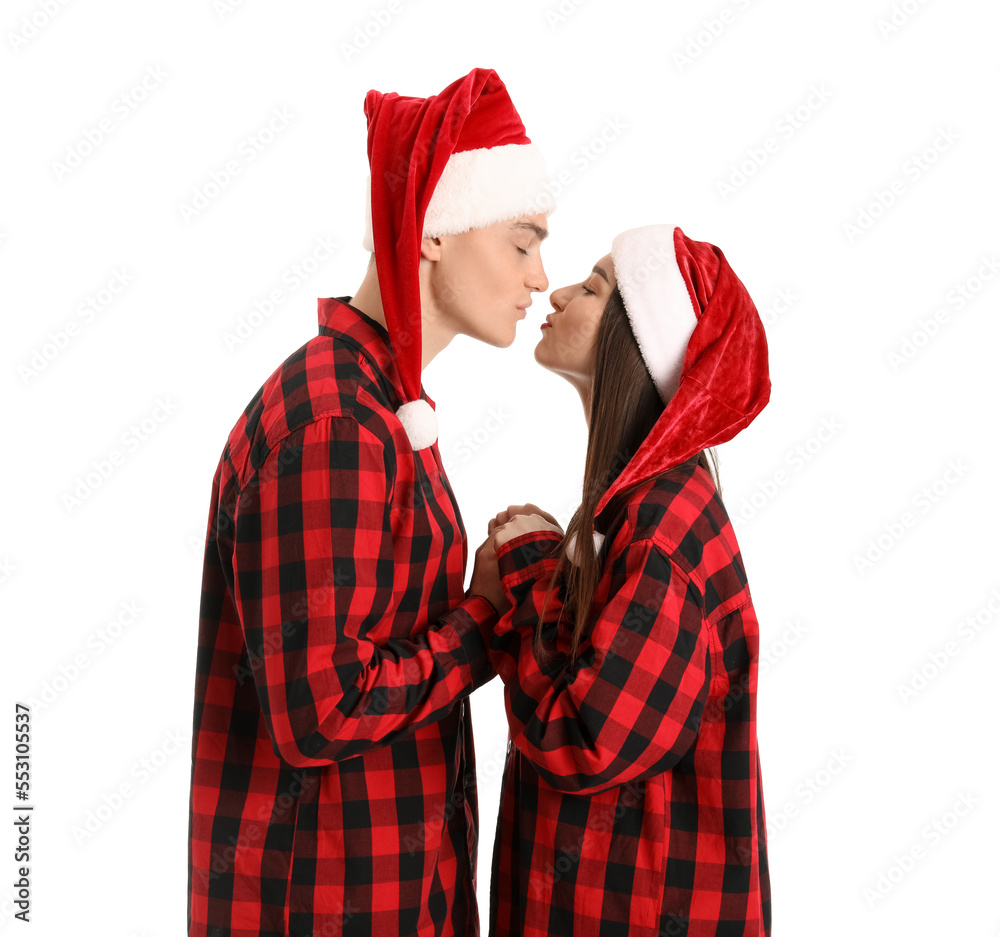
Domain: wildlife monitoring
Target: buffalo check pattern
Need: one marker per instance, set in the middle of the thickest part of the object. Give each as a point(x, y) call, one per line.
point(631, 799)
point(333, 784)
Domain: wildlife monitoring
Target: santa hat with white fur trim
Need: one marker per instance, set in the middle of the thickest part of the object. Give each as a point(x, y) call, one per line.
point(703, 343)
point(440, 165)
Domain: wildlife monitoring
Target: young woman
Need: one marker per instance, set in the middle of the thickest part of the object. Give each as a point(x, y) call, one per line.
point(631, 800)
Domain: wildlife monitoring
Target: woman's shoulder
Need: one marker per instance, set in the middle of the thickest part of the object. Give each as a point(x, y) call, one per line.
point(682, 513)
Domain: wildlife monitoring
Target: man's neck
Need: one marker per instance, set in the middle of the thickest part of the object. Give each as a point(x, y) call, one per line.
point(435, 336)
point(368, 299)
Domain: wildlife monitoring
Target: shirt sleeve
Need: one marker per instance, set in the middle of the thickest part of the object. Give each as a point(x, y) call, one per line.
point(630, 705)
point(314, 571)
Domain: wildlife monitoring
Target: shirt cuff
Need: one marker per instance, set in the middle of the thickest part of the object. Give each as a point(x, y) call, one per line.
point(473, 620)
point(518, 557)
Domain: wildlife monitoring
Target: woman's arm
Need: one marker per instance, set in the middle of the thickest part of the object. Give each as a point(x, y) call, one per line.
point(630, 705)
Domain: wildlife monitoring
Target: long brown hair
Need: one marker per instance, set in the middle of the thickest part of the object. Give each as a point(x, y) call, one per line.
point(624, 406)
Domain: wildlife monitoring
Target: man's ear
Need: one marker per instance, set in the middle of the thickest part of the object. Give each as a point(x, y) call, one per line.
point(430, 248)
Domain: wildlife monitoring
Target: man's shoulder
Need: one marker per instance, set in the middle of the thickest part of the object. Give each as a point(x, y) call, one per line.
point(324, 378)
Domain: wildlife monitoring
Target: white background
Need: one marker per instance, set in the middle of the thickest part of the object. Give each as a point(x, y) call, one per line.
point(855, 775)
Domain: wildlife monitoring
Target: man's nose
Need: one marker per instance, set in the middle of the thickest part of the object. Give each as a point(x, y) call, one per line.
point(539, 281)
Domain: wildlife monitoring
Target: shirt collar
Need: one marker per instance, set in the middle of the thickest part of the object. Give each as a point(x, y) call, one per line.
point(339, 319)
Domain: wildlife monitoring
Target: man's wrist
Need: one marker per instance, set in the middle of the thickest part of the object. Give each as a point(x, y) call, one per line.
point(475, 640)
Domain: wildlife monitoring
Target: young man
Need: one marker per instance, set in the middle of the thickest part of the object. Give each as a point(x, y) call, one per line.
point(333, 777)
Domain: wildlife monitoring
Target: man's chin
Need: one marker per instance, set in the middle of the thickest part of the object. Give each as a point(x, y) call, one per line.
point(496, 337)
point(501, 339)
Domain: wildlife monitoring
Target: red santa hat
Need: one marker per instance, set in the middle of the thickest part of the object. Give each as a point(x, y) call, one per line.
point(703, 343)
point(440, 165)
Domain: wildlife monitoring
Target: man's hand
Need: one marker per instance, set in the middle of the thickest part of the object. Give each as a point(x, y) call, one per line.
point(486, 576)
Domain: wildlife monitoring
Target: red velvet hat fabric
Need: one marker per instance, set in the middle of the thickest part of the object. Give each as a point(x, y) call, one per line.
point(409, 143)
point(724, 379)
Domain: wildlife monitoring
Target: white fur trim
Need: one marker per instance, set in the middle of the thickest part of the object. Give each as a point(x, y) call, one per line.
point(571, 546)
point(481, 187)
point(657, 301)
point(420, 422)
point(484, 186)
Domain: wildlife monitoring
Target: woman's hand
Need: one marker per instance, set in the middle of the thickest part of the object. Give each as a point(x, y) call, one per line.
point(485, 575)
point(517, 520)
point(514, 509)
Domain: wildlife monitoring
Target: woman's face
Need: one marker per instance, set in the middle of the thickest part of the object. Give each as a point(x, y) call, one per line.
point(567, 347)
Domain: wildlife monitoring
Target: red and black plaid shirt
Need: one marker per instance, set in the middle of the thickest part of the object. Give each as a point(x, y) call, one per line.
point(333, 779)
point(631, 802)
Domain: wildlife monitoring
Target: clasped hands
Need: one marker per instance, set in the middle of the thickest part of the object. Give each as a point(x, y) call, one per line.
point(516, 520)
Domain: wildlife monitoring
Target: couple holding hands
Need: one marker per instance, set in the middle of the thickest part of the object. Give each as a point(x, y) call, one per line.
point(333, 784)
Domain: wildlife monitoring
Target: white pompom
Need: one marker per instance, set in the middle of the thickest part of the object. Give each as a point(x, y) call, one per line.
point(420, 422)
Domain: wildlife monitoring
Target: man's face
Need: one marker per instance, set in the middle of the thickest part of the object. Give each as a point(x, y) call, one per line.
point(481, 281)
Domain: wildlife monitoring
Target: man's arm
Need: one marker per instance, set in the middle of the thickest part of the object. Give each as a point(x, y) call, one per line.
point(314, 571)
